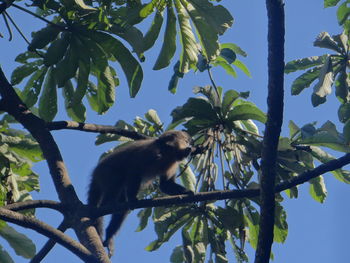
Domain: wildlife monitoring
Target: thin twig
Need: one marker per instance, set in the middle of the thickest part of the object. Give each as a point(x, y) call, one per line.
point(48, 245)
point(39, 17)
point(17, 28)
point(7, 25)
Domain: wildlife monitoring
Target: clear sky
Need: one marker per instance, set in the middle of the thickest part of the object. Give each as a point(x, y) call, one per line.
point(317, 232)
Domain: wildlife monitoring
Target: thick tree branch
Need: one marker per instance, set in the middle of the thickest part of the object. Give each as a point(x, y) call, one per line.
point(88, 127)
point(66, 193)
point(275, 14)
point(48, 231)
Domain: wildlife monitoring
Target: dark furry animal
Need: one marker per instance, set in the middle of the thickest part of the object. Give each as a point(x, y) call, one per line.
point(119, 176)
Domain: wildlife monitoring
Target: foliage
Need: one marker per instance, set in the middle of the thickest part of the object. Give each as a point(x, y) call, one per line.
point(17, 152)
point(76, 52)
point(81, 41)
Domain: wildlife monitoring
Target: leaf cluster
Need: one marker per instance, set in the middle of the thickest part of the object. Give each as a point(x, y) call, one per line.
point(18, 150)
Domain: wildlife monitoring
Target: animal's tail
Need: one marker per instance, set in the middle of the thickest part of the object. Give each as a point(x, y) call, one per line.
point(94, 199)
point(112, 229)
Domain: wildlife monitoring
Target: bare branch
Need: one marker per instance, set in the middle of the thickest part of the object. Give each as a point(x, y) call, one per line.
point(88, 127)
point(226, 194)
point(48, 246)
point(48, 231)
point(35, 204)
point(275, 14)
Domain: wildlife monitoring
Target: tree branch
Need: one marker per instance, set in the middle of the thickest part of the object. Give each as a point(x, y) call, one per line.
point(275, 14)
point(35, 204)
point(222, 195)
point(48, 246)
point(48, 231)
point(86, 233)
point(88, 127)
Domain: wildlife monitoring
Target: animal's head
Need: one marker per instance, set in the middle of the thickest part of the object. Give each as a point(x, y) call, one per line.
point(176, 143)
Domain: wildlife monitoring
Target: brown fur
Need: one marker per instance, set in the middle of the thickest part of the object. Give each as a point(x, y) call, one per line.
point(119, 176)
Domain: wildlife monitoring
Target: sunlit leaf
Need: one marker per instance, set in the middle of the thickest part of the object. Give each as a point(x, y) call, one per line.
point(169, 43)
point(189, 51)
point(318, 189)
point(323, 87)
point(304, 63)
point(239, 64)
point(234, 48)
point(324, 40)
point(246, 111)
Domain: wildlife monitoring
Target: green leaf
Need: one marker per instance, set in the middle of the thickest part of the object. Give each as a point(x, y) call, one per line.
point(188, 178)
point(323, 87)
point(23, 58)
point(56, 50)
point(246, 111)
point(177, 255)
point(129, 64)
point(342, 86)
point(43, 37)
point(168, 224)
point(330, 3)
point(252, 219)
point(75, 110)
point(234, 48)
point(32, 88)
point(105, 90)
point(343, 13)
point(293, 129)
point(26, 147)
point(82, 81)
point(326, 139)
point(169, 43)
point(280, 230)
point(143, 215)
point(82, 5)
point(324, 40)
point(195, 107)
point(228, 54)
point(24, 71)
point(48, 99)
point(346, 131)
point(189, 53)
point(153, 32)
point(4, 256)
point(208, 37)
point(134, 37)
point(344, 112)
point(67, 67)
point(239, 64)
point(318, 189)
point(22, 245)
point(304, 63)
point(324, 157)
point(304, 81)
point(153, 117)
point(226, 66)
point(229, 98)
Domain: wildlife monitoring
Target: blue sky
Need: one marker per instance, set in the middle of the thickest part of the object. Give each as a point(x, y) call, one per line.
point(317, 232)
